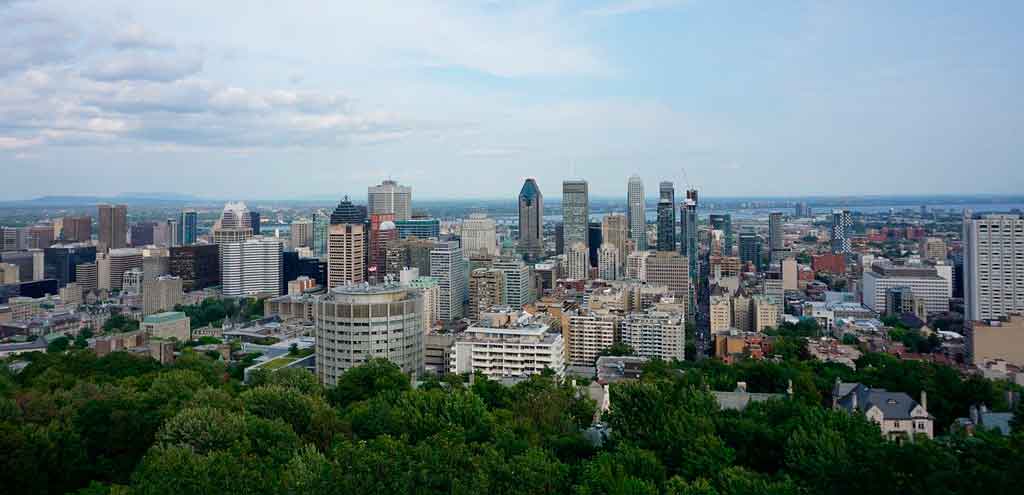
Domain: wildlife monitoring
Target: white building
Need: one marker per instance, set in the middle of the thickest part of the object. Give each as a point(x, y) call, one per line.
point(479, 236)
point(993, 266)
point(923, 280)
point(577, 262)
point(656, 334)
point(590, 332)
point(517, 287)
point(608, 267)
point(450, 268)
point(389, 197)
point(508, 344)
point(636, 265)
point(251, 267)
point(637, 212)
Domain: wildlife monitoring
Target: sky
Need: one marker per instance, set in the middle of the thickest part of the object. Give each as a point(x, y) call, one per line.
point(259, 99)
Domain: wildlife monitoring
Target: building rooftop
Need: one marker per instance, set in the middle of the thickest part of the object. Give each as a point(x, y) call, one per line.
point(164, 317)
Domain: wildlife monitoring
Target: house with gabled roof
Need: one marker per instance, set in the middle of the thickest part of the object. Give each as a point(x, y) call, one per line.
point(898, 415)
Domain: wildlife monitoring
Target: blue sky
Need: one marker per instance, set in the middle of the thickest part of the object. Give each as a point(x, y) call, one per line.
point(263, 99)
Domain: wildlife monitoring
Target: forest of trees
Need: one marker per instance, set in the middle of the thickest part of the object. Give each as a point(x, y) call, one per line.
point(72, 422)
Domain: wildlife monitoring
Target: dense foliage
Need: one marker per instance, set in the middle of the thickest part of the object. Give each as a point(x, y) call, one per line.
point(122, 424)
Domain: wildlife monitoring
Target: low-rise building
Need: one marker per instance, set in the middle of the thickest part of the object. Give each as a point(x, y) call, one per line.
point(168, 325)
point(997, 339)
point(898, 415)
point(656, 334)
point(507, 344)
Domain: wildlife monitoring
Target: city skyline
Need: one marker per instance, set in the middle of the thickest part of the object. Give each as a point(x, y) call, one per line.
point(808, 98)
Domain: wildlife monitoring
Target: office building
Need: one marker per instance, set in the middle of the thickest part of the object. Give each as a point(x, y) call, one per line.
point(842, 231)
point(76, 229)
point(688, 237)
point(932, 249)
point(750, 249)
point(449, 267)
point(40, 236)
point(235, 224)
point(420, 228)
point(383, 233)
point(993, 265)
point(120, 261)
point(255, 223)
point(669, 269)
point(197, 265)
point(142, 234)
point(594, 241)
point(390, 198)
point(14, 238)
point(518, 288)
point(766, 313)
point(301, 235)
point(60, 260)
point(575, 212)
point(508, 344)
point(354, 324)
point(346, 246)
point(615, 231)
point(531, 221)
point(636, 212)
point(656, 334)
point(608, 266)
point(430, 290)
point(636, 265)
point(31, 263)
point(251, 268)
point(9, 274)
point(577, 262)
point(923, 281)
point(87, 276)
point(990, 340)
point(720, 312)
point(775, 241)
point(666, 225)
point(295, 266)
point(667, 190)
point(168, 325)
point(900, 300)
point(409, 253)
point(161, 294)
point(479, 236)
point(113, 226)
point(723, 223)
point(189, 225)
point(486, 289)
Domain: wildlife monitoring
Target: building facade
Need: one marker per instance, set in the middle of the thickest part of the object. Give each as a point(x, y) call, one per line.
point(636, 212)
point(531, 221)
point(252, 267)
point(390, 198)
point(575, 212)
point(993, 265)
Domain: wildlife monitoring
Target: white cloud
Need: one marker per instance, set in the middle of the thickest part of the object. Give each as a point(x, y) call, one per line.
point(139, 66)
point(633, 7)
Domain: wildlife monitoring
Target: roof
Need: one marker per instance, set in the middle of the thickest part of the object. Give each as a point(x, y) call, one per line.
point(894, 405)
point(738, 400)
point(23, 346)
point(164, 317)
point(530, 191)
point(346, 212)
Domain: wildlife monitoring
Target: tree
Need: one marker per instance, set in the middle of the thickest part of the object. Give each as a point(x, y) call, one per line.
point(60, 344)
point(374, 377)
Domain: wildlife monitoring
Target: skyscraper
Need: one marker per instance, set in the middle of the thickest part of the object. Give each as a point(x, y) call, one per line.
point(389, 197)
point(608, 264)
point(383, 234)
point(251, 267)
point(666, 225)
point(113, 225)
point(575, 212)
point(254, 222)
point(636, 212)
point(775, 230)
point(531, 220)
point(198, 265)
point(479, 236)
point(993, 265)
point(594, 239)
point(77, 229)
point(615, 231)
point(142, 233)
point(688, 238)
point(750, 248)
point(486, 289)
point(449, 267)
point(577, 262)
point(234, 224)
point(517, 287)
point(60, 260)
point(301, 234)
point(842, 227)
point(346, 245)
point(189, 226)
point(723, 222)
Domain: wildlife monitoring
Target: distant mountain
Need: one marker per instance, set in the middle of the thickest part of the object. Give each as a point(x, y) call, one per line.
point(126, 198)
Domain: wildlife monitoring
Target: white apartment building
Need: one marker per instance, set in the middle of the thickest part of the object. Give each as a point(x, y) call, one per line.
point(450, 269)
point(656, 334)
point(252, 267)
point(508, 344)
point(590, 332)
point(993, 266)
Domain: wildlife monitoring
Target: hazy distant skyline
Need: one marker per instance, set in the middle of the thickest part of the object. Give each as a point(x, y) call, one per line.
point(465, 99)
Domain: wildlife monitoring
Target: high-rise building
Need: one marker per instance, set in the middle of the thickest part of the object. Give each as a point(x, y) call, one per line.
point(9, 274)
point(189, 225)
point(615, 231)
point(77, 229)
point(486, 289)
point(320, 223)
point(353, 324)
point(636, 265)
point(518, 287)
point(420, 228)
point(723, 222)
point(842, 231)
point(671, 270)
point(656, 334)
point(143, 234)
point(14, 238)
point(346, 246)
point(667, 190)
point(775, 231)
point(409, 253)
point(666, 225)
point(234, 225)
point(750, 248)
point(577, 262)
point(590, 332)
point(594, 241)
point(575, 212)
point(251, 267)
point(531, 221)
point(993, 265)
point(113, 226)
point(688, 238)
point(637, 212)
point(449, 267)
point(40, 236)
point(255, 223)
point(390, 198)
point(122, 260)
point(608, 267)
point(479, 236)
point(198, 265)
point(60, 260)
point(161, 294)
point(923, 280)
point(301, 234)
point(383, 233)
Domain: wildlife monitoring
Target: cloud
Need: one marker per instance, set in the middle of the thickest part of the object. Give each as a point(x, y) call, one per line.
point(632, 7)
point(139, 66)
point(134, 36)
